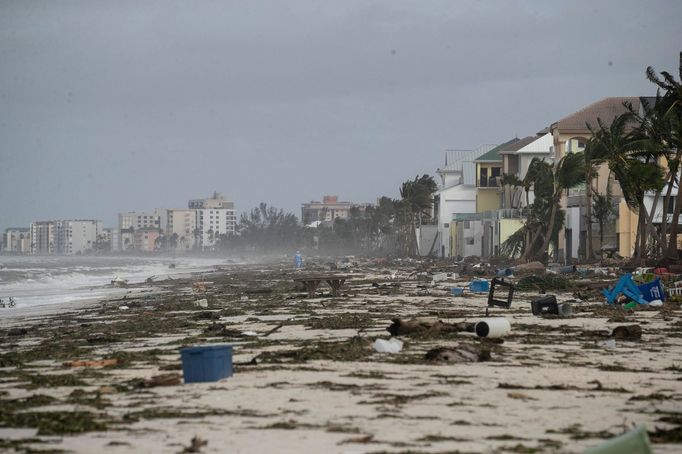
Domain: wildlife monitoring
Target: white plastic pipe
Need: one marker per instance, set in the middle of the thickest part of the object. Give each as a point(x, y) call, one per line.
point(493, 327)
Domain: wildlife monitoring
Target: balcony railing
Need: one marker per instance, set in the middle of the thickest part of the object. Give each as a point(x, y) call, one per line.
point(489, 182)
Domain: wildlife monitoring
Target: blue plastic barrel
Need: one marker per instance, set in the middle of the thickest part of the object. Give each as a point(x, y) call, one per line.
point(206, 363)
point(479, 286)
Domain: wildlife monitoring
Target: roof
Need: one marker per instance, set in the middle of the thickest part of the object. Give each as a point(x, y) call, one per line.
point(494, 154)
point(462, 161)
point(515, 146)
point(606, 109)
point(541, 145)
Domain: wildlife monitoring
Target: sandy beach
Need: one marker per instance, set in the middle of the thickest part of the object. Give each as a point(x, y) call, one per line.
point(307, 378)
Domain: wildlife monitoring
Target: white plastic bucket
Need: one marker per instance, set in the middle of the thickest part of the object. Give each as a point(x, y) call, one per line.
point(492, 327)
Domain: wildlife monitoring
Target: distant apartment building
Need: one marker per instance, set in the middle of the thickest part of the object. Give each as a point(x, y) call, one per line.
point(17, 240)
point(42, 237)
point(217, 201)
point(67, 237)
point(328, 210)
point(108, 240)
point(144, 239)
point(77, 236)
point(212, 223)
point(180, 228)
point(215, 216)
point(131, 221)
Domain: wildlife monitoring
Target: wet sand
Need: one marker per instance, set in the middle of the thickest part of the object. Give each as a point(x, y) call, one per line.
point(309, 380)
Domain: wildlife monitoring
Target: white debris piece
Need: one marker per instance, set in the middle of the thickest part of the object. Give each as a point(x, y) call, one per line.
point(392, 345)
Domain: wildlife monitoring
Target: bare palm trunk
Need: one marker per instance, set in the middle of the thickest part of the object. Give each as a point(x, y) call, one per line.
point(642, 235)
point(589, 253)
point(550, 227)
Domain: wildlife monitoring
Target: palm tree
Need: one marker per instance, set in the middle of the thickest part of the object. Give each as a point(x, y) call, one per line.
point(603, 210)
point(621, 148)
point(669, 108)
point(594, 157)
point(416, 201)
point(539, 177)
point(569, 172)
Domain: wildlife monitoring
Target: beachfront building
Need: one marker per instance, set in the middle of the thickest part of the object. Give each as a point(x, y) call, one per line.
point(498, 206)
point(570, 134)
point(79, 236)
point(456, 194)
point(315, 213)
point(17, 240)
point(214, 217)
point(131, 221)
point(145, 239)
point(42, 237)
point(180, 228)
point(216, 201)
point(211, 224)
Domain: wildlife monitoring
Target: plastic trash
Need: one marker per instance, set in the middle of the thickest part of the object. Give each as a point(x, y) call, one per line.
point(565, 310)
point(201, 303)
point(609, 344)
point(656, 303)
point(494, 293)
point(652, 290)
point(479, 285)
point(249, 333)
point(392, 345)
point(545, 305)
point(493, 327)
point(123, 308)
point(457, 291)
point(633, 442)
point(438, 277)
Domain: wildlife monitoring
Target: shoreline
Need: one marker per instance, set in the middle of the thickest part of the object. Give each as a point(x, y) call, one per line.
point(310, 380)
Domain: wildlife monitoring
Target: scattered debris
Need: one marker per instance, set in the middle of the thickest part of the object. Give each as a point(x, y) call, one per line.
point(463, 353)
point(628, 332)
point(195, 445)
point(493, 298)
point(493, 327)
point(92, 363)
point(163, 380)
point(401, 327)
point(392, 345)
point(201, 303)
point(633, 442)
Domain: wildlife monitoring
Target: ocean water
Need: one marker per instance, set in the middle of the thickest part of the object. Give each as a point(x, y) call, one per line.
point(35, 281)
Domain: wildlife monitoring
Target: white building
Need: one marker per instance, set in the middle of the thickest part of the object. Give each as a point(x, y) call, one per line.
point(457, 193)
point(17, 240)
point(211, 223)
point(217, 201)
point(78, 236)
point(42, 237)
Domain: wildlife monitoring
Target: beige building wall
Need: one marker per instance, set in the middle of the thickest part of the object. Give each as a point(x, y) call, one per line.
point(508, 227)
point(487, 200)
point(181, 222)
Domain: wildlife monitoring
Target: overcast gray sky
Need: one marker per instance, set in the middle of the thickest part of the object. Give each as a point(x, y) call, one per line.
point(130, 105)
